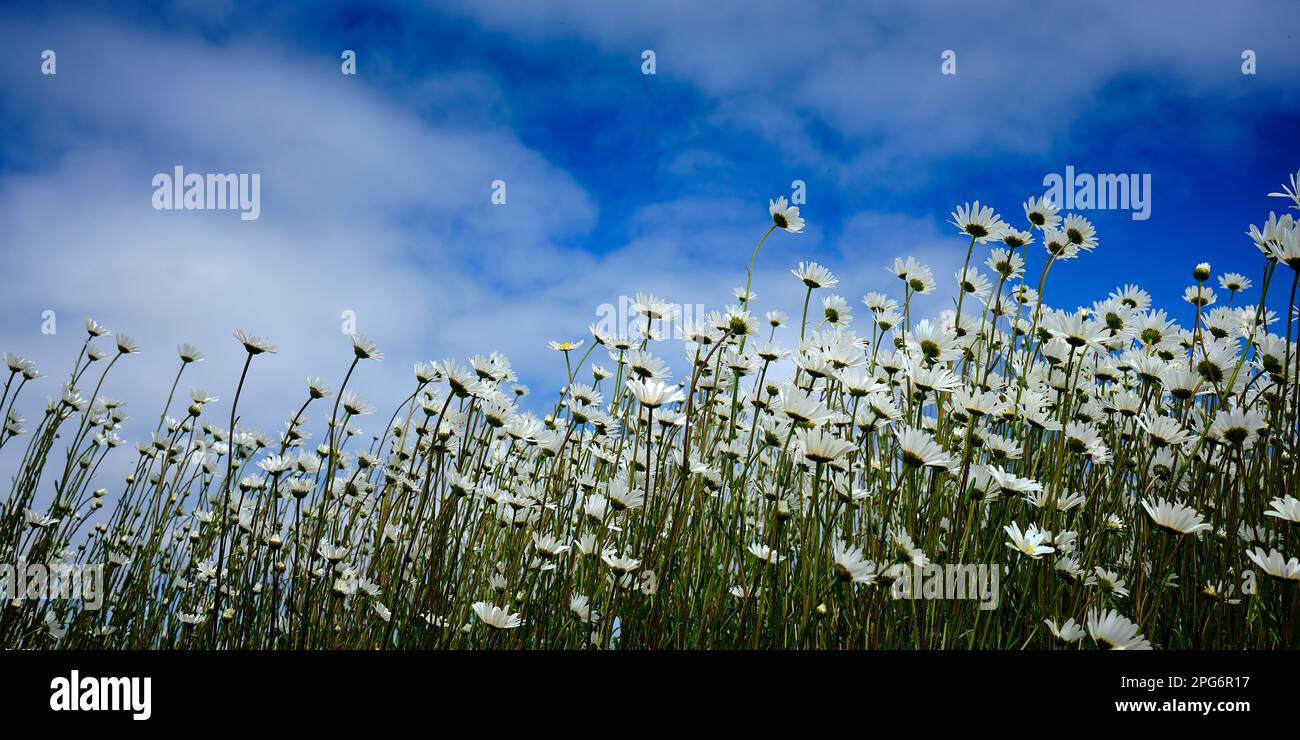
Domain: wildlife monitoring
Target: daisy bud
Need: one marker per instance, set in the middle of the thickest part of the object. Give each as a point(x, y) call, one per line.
point(1202, 272)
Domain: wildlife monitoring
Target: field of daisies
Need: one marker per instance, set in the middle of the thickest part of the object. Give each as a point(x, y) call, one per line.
point(1130, 478)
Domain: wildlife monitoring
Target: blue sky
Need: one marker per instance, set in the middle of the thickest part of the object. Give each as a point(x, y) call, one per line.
point(375, 188)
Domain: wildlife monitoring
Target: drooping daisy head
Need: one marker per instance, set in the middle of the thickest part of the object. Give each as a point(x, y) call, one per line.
point(978, 222)
point(254, 345)
point(815, 276)
point(785, 216)
point(364, 349)
point(1080, 232)
point(1042, 213)
point(189, 353)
